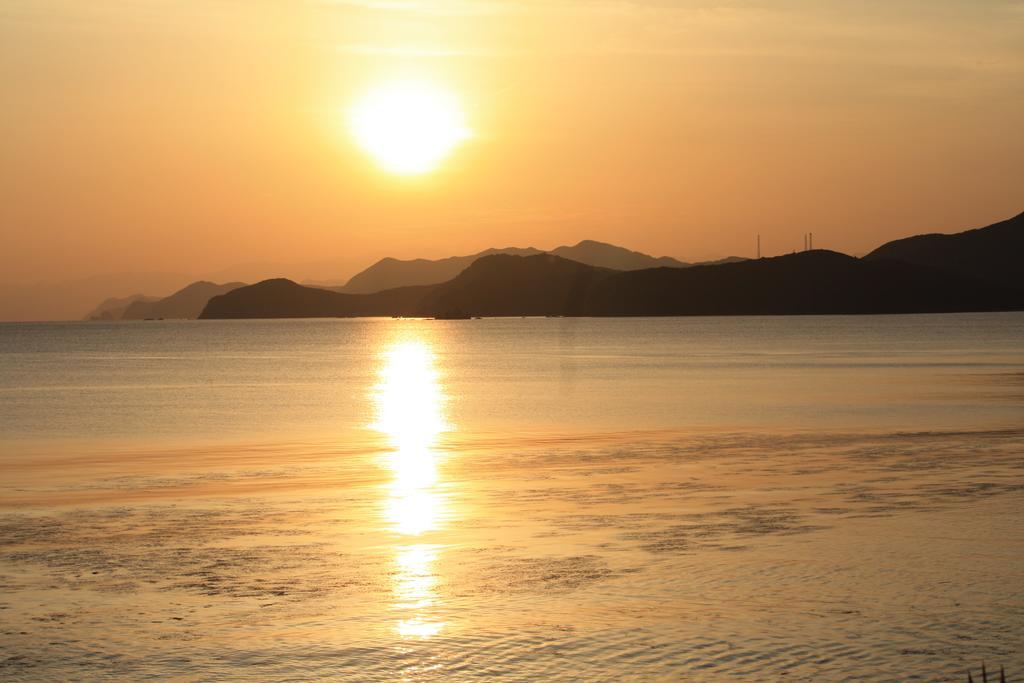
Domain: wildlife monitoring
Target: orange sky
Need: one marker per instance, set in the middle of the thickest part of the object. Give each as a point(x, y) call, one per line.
point(207, 137)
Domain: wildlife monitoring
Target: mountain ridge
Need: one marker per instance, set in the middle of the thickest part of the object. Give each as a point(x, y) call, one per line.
point(816, 282)
point(387, 273)
point(390, 272)
point(804, 283)
point(187, 302)
point(113, 308)
point(950, 263)
point(990, 253)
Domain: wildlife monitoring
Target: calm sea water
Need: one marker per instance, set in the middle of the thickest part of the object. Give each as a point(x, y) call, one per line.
point(811, 498)
point(242, 379)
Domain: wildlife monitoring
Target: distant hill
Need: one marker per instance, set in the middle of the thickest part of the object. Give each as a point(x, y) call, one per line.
point(718, 262)
point(815, 282)
point(993, 253)
point(114, 307)
point(390, 272)
point(499, 284)
point(281, 298)
point(71, 299)
point(502, 285)
point(605, 255)
point(185, 303)
point(812, 282)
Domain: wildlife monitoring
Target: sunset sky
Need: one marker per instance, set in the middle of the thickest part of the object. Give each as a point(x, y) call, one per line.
point(206, 137)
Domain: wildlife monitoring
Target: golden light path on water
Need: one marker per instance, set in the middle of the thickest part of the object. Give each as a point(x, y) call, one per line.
point(409, 402)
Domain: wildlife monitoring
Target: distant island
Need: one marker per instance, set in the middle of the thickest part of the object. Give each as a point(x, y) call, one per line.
point(186, 303)
point(993, 253)
point(388, 273)
point(975, 270)
point(971, 271)
point(114, 307)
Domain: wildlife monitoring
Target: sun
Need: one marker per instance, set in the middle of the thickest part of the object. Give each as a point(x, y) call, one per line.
point(408, 127)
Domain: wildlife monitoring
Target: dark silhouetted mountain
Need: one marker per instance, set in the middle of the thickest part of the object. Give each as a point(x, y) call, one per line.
point(815, 282)
point(114, 307)
point(812, 282)
point(336, 285)
point(501, 285)
point(718, 262)
point(389, 273)
point(992, 253)
point(185, 303)
point(283, 298)
point(605, 255)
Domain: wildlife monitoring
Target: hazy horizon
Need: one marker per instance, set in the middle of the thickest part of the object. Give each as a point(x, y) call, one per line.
point(71, 299)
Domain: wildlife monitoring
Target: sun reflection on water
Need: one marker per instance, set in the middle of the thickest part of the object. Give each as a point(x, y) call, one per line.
point(410, 404)
point(414, 590)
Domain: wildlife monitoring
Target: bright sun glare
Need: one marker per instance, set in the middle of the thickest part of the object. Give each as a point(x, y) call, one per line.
point(408, 127)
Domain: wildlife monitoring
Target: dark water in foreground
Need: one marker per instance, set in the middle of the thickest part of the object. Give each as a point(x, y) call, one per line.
point(756, 498)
